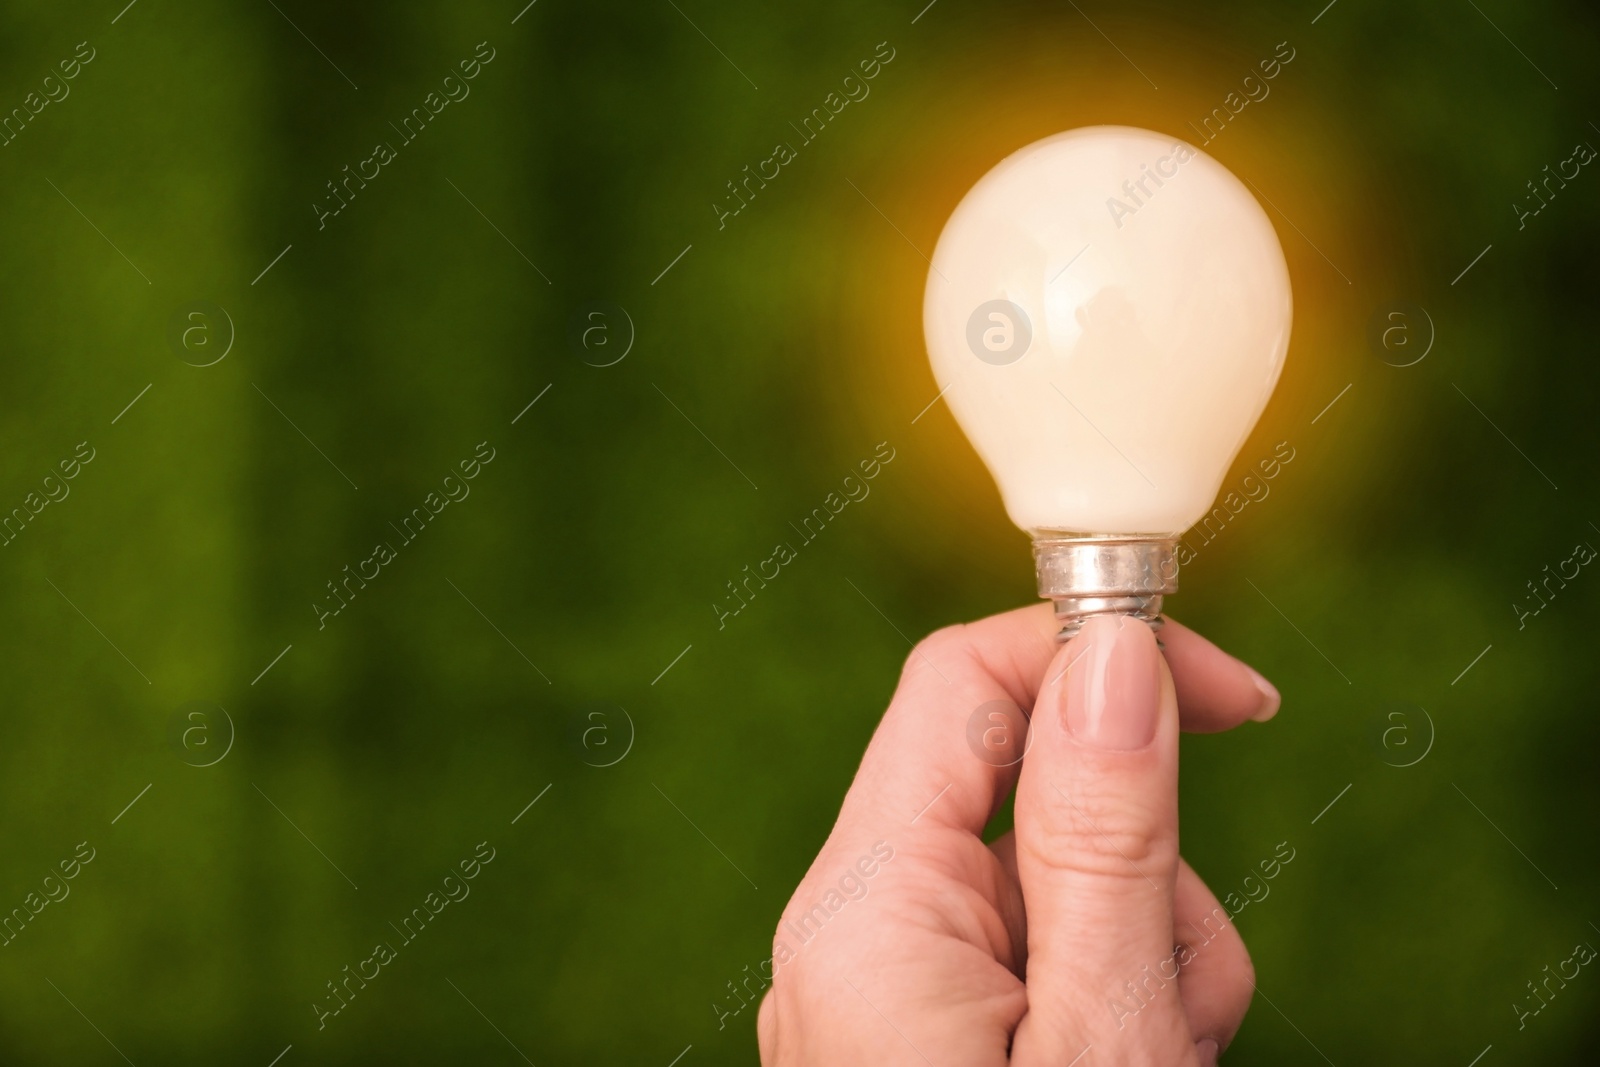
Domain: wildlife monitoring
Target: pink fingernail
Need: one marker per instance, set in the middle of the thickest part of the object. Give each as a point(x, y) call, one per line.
point(1206, 1048)
point(1270, 698)
point(1116, 698)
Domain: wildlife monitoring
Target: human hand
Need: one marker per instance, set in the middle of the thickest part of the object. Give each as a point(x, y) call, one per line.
point(1081, 938)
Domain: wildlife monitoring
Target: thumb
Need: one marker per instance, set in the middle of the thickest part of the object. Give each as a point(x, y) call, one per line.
point(1097, 853)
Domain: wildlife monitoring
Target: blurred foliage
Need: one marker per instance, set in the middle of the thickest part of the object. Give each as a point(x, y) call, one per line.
point(454, 688)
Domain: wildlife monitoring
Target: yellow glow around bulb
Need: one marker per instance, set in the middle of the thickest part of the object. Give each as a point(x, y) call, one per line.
point(1108, 309)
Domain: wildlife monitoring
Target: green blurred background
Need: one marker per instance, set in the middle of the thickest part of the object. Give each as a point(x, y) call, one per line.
point(474, 673)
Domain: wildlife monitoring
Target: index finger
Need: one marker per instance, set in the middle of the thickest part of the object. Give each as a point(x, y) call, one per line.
point(919, 768)
point(949, 747)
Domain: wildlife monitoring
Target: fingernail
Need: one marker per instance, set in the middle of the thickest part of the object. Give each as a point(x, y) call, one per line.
point(1270, 698)
point(1115, 699)
point(1206, 1048)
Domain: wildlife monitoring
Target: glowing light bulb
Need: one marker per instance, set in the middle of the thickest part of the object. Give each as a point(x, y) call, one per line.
point(1108, 311)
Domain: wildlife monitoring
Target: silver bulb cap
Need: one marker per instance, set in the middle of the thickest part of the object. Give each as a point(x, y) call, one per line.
point(1087, 576)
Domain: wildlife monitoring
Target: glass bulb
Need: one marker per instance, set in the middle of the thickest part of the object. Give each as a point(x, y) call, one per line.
point(1108, 310)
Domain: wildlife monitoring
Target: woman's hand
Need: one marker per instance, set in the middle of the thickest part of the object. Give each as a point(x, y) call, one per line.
point(1082, 938)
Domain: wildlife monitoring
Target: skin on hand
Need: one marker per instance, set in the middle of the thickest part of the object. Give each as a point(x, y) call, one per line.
point(1082, 929)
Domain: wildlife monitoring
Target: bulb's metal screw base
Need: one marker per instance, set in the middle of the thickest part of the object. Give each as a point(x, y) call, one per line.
point(1088, 576)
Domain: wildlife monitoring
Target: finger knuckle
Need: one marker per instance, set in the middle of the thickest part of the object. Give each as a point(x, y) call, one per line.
point(1245, 968)
point(1111, 837)
point(1212, 943)
point(1236, 977)
point(939, 647)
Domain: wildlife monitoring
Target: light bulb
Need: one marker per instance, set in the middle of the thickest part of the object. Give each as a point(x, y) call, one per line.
point(1107, 313)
